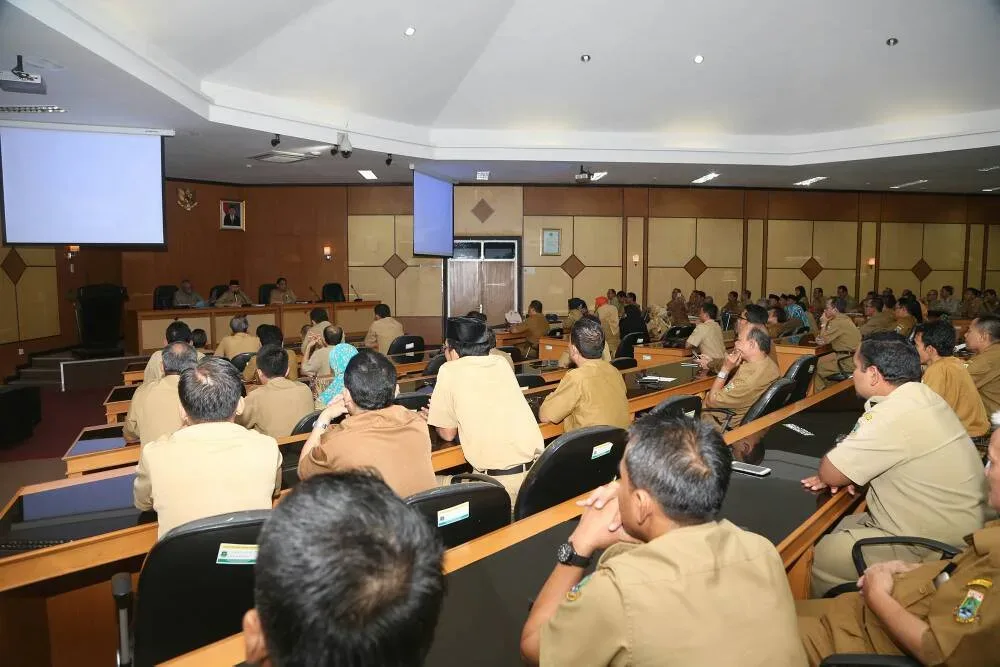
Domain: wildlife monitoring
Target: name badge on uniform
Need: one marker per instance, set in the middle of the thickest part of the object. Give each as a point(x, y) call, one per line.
point(968, 610)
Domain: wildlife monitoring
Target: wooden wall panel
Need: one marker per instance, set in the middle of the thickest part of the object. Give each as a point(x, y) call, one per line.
point(816, 205)
point(635, 202)
point(380, 200)
point(573, 200)
point(911, 207)
point(695, 203)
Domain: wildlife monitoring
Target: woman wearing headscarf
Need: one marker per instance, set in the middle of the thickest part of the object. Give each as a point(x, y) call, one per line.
point(340, 354)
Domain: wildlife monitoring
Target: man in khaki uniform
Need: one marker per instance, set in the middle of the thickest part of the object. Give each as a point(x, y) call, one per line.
point(278, 404)
point(383, 330)
point(533, 327)
point(317, 356)
point(948, 303)
point(155, 406)
point(972, 304)
point(674, 587)
point(924, 475)
point(905, 608)
point(239, 341)
point(282, 293)
point(948, 377)
point(577, 309)
point(177, 332)
point(234, 296)
point(880, 319)
point(186, 297)
point(591, 394)
point(746, 374)
point(982, 338)
point(375, 434)
point(851, 304)
point(733, 305)
point(211, 466)
point(269, 334)
point(677, 308)
point(839, 332)
point(608, 315)
point(706, 339)
point(477, 398)
point(318, 321)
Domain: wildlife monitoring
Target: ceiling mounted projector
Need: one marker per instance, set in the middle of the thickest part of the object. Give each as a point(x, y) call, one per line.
point(584, 176)
point(16, 80)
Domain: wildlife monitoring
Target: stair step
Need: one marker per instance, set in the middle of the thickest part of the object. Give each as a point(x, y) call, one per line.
point(40, 373)
point(33, 382)
point(48, 362)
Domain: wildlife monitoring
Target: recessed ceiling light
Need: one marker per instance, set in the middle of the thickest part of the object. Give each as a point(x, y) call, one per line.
point(32, 108)
point(410, 30)
point(585, 58)
point(810, 181)
point(992, 189)
point(598, 175)
point(706, 178)
point(482, 175)
point(249, 166)
point(892, 41)
point(699, 59)
point(906, 185)
point(368, 174)
point(993, 168)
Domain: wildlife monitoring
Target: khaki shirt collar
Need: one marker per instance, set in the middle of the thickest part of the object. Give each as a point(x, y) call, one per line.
point(987, 539)
point(394, 415)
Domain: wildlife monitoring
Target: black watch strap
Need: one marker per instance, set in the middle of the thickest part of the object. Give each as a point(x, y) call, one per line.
point(567, 555)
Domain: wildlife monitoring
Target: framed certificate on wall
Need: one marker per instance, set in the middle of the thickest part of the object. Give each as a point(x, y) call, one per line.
point(551, 241)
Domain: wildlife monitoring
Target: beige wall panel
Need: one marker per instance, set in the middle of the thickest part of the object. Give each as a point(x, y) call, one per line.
point(718, 282)
point(508, 210)
point(8, 307)
point(992, 258)
point(720, 242)
point(403, 225)
point(868, 231)
point(835, 244)
point(789, 243)
point(755, 257)
point(993, 280)
point(898, 281)
point(976, 239)
point(783, 281)
point(901, 245)
point(370, 239)
point(38, 256)
point(37, 303)
point(595, 281)
point(552, 286)
point(419, 289)
point(830, 279)
point(938, 278)
point(598, 241)
point(634, 246)
point(375, 284)
point(531, 250)
point(662, 282)
point(944, 246)
point(671, 241)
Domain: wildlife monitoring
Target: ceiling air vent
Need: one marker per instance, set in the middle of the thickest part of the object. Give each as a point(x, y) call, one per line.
point(282, 157)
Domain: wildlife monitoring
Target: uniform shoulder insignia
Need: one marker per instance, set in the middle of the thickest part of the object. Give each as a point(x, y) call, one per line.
point(574, 593)
point(869, 416)
point(968, 610)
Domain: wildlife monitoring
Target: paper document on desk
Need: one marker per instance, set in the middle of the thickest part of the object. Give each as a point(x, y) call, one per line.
point(656, 378)
point(799, 430)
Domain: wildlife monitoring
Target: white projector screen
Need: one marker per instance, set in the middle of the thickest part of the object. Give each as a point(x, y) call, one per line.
point(81, 188)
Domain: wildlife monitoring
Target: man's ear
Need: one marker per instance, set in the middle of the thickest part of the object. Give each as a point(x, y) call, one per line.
point(254, 642)
point(241, 406)
point(644, 504)
point(184, 415)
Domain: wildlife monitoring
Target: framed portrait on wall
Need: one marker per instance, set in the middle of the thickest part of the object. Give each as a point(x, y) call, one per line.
point(551, 241)
point(232, 214)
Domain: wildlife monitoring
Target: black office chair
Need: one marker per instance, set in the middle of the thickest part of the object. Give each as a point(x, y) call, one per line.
point(435, 363)
point(163, 297)
point(858, 556)
point(216, 292)
point(412, 400)
point(679, 406)
point(573, 463)
point(411, 349)
point(333, 292)
point(184, 587)
point(529, 381)
point(305, 424)
point(801, 372)
point(800, 331)
point(264, 292)
point(676, 337)
point(868, 660)
point(624, 363)
point(488, 508)
point(241, 360)
point(775, 397)
point(842, 374)
point(625, 348)
point(515, 353)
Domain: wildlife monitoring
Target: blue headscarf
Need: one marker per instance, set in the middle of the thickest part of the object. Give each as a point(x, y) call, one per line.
point(340, 354)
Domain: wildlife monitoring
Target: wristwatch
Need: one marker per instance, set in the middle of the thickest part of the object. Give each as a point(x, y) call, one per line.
point(567, 555)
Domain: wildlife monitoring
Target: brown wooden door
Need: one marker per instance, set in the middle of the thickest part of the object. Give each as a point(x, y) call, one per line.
point(483, 277)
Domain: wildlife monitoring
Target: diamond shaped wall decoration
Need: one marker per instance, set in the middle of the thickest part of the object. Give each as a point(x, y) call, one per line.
point(812, 268)
point(573, 266)
point(695, 267)
point(482, 210)
point(395, 265)
point(13, 265)
point(921, 270)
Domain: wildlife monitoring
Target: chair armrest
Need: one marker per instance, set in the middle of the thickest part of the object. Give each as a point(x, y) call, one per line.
point(475, 477)
point(947, 551)
point(121, 590)
point(726, 411)
point(869, 660)
point(849, 587)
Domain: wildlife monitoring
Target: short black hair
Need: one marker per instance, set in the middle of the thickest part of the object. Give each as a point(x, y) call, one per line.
point(837, 303)
point(272, 361)
point(575, 303)
point(178, 357)
point(210, 391)
point(587, 336)
point(711, 310)
point(239, 324)
point(234, 281)
point(756, 314)
point(535, 305)
point(475, 314)
point(975, 292)
point(471, 349)
point(318, 315)
point(948, 288)
point(178, 332)
point(382, 310)
point(371, 379)
point(800, 290)
point(895, 359)
point(842, 287)
point(939, 334)
point(620, 293)
point(912, 307)
point(270, 334)
point(733, 295)
point(632, 296)
point(279, 280)
point(989, 325)
point(877, 303)
point(682, 462)
point(333, 335)
point(780, 314)
point(760, 338)
point(199, 338)
point(889, 300)
point(348, 574)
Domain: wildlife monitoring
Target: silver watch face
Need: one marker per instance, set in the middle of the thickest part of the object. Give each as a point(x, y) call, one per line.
point(564, 553)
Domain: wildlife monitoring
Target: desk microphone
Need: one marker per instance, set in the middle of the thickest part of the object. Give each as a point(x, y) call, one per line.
point(318, 297)
point(357, 297)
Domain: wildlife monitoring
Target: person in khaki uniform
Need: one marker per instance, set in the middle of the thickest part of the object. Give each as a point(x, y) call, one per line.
point(155, 406)
point(924, 475)
point(269, 334)
point(839, 332)
point(383, 330)
point(376, 434)
point(879, 319)
point(733, 305)
point(318, 320)
point(982, 338)
point(591, 394)
point(477, 398)
point(177, 332)
point(564, 361)
point(675, 587)
point(746, 373)
point(234, 296)
point(818, 302)
point(317, 356)
point(911, 609)
point(239, 341)
point(608, 315)
point(278, 404)
point(211, 466)
point(282, 293)
point(948, 377)
point(948, 303)
point(186, 297)
point(534, 327)
point(577, 309)
point(851, 304)
point(972, 304)
point(706, 339)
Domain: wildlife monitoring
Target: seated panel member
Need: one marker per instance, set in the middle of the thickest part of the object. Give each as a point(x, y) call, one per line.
point(533, 327)
point(383, 330)
point(982, 338)
point(345, 544)
point(746, 373)
point(706, 339)
point(239, 341)
point(910, 609)
point(675, 586)
point(948, 377)
point(278, 404)
point(318, 320)
point(234, 296)
point(879, 319)
point(608, 315)
point(376, 434)
point(282, 293)
point(477, 398)
point(211, 466)
point(591, 394)
point(186, 297)
point(839, 332)
point(155, 407)
point(177, 332)
point(269, 334)
point(924, 475)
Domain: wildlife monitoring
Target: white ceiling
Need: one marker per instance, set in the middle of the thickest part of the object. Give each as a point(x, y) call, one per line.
point(788, 90)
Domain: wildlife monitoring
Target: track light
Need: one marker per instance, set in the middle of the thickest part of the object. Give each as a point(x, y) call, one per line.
point(275, 141)
point(388, 159)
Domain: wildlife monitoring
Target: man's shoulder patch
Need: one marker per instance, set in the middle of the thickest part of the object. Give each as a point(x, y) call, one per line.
point(574, 593)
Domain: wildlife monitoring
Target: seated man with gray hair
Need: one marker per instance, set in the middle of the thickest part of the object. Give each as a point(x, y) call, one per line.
point(746, 374)
point(239, 342)
point(155, 407)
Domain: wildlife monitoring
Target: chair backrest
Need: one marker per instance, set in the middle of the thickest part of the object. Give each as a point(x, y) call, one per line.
point(679, 331)
point(555, 332)
point(305, 424)
point(801, 330)
point(412, 400)
point(463, 512)
point(624, 363)
point(163, 296)
point(515, 353)
point(774, 398)
point(435, 363)
point(264, 292)
point(628, 342)
point(194, 587)
point(411, 347)
point(679, 406)
point(217, 291)
point(801, 372)
point(241, 360)
point(529, 381)
point(574, 463)
point(333, 292)
point(728, 320)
